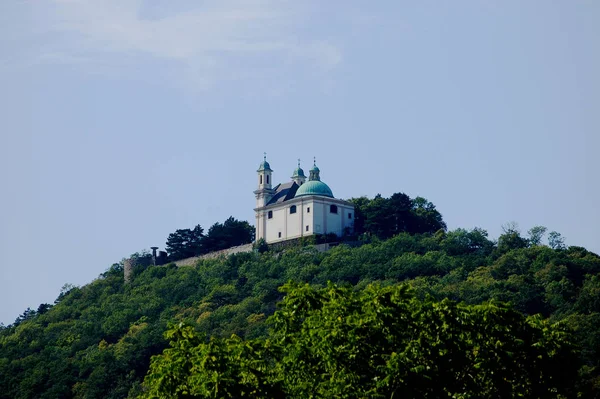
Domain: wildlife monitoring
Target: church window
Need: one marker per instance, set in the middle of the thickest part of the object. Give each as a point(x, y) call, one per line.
point(268, 179)
point(260, 179)
point(350, 216)
point(270, 215)
point(308, 209)
point(306, 227)
point(280, 234)
point(293, 209)
point(333, 209)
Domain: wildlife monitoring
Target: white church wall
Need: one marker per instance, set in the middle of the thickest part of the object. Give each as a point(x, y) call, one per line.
point(333, 220)
point(294, 221)
point(318, 218)
point(347, 218)
point(276, 225)
point(285, 225)
point(308, 216)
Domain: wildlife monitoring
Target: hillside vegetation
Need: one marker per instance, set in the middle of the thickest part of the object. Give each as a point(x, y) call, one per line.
point(96, 341)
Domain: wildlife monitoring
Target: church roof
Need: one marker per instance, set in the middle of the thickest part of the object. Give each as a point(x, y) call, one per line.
point(283, 192)
point(298, 172)
point(314, 187)
point(264, 165)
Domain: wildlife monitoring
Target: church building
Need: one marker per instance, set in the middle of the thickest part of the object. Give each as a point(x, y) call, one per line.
point(299, 207)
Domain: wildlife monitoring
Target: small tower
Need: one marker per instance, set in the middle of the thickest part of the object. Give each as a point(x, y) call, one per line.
point(298, 175)
point(264, 192)
point(154, 255)
point(314, 172)
point(128, 269)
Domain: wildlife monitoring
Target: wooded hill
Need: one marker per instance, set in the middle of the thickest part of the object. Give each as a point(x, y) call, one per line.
point(96, 341)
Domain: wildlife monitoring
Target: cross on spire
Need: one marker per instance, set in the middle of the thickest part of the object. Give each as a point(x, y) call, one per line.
point(314, 161)
point(265, 156)
point(298, 162)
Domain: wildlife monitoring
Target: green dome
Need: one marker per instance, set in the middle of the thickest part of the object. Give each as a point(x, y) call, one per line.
point(298, 173)
point(314, 187)
point(264, 165)
point(315, 169)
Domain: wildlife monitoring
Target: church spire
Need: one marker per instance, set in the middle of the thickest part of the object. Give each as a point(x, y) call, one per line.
point(298, 176)
point(264, 177)
point(314, 173)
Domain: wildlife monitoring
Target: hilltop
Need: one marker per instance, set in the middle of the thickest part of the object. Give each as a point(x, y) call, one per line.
point(96, 341)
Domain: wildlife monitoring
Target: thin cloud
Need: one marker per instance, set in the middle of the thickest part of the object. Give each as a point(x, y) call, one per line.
point(205, 44)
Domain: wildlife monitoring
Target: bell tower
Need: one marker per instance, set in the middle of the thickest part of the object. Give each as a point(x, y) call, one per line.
point(265, 192)
point(298, 175)
point(314, 173)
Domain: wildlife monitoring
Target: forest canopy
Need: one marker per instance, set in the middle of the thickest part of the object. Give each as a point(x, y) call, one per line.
point(336, 342)
point(97, 341)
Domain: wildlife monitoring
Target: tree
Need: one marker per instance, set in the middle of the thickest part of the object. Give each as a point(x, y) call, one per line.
point(463, 242)
point(378, 217)
point(360, 205)
point(426, 219)
point(511, 239)
point(556, 240)
point(400, 206)
point(228, 234)
point(536, 234)
point(26, 315)
point(336, 342)
point(219, 368)
point(185, 243)
point(261, 246)
point(386, 217)
point(43, 308)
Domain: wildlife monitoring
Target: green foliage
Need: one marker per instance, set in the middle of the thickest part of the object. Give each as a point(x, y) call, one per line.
point(220, 368)
point(186, 243)
point(556, 240)
point(261, 246)
point(335, 342)
point(97, 340)
point(536, 234)
point(228, 234)
point(386, 217)
point(511, 239)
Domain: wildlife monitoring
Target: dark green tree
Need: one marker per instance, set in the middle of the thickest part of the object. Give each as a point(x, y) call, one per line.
point(228, 234)
point(185, 243)
point(400, 206)
point(426, 218)
point(536, 233)
point(511, 238)
point(556, 240)
point(386, 217)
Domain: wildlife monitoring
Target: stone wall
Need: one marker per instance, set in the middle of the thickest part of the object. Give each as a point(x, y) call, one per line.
point(224, 252)
point(279, 246)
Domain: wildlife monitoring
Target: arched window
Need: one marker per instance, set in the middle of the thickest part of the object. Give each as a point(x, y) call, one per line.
point(293, 209)
point(270, 215)
point(350, 216)
point(268, 179)
point(260, 179)
point(333, 208)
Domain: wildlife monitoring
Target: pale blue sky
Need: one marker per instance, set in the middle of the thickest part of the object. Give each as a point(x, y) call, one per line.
point(125, 120)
